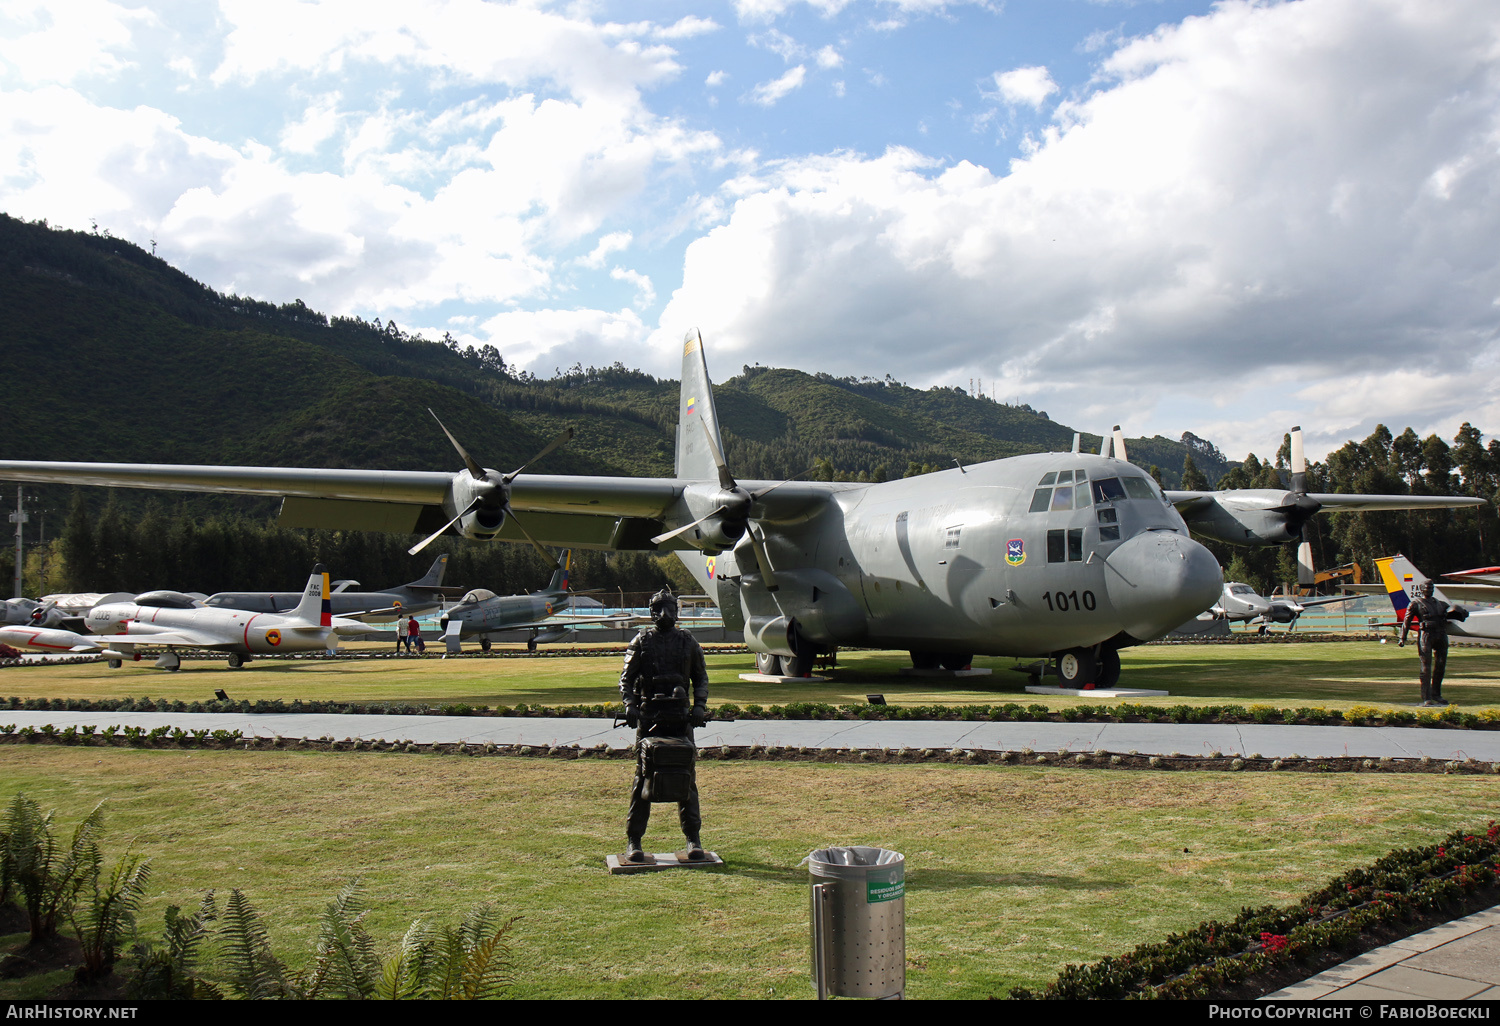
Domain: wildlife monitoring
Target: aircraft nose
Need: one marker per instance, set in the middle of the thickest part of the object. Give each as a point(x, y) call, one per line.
point(1158, 580)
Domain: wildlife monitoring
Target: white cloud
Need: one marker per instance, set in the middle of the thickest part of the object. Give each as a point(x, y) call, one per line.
point(46, 42)
point(1030, 86)
point(318, 124)
point(686, 28)
point(716, 79)
point(645, 292)
point(614, 242)
point(768, 93)
point(1268, 197)
point(828, 57)
point(544, 339)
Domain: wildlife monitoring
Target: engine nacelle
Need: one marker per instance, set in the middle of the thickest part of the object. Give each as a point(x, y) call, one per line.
point(776, 635)
point(482, 524)
point(1244, 526)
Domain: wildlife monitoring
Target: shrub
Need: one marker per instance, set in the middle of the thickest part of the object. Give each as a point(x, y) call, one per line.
point(34, 863)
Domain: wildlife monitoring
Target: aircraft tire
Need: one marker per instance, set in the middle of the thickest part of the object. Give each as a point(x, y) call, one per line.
point(235, 662)
point(1109, 668)
point(114, 664)
point(767, 665)
point(1077, 667)
point(924, 660)
point(800, 665)
point(955, 662)
point(484, 644)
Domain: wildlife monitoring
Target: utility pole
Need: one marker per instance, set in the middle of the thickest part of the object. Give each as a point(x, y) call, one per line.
point(18, 518)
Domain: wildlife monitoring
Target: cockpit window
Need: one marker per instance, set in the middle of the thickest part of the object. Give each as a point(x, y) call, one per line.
point(478, 595)
point(1138, 488)
point(1047, 479)
point(1108, 490)
point(1062, 497)
point(1242, 589)
point(1040, 499)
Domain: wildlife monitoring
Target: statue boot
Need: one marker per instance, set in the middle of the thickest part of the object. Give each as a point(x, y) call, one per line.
point(634, 853)
point(693, 852)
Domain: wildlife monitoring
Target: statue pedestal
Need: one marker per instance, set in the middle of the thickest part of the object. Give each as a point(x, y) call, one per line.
point(669, 860)
point(941, 674)
point(766, 678)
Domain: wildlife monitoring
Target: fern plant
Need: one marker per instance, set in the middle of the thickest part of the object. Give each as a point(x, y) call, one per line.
point(166, 972)
point(107, 915)
point(48, 877)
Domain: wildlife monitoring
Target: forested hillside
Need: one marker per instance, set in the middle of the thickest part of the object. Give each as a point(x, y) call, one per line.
point(112, 354)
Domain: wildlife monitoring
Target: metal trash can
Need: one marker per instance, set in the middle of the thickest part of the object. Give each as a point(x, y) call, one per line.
point(858, 922)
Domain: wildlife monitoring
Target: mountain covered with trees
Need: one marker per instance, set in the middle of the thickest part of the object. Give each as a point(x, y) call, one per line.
point(114, 355)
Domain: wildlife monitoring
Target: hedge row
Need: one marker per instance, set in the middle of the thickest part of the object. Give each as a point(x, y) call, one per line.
point(1268, 941)
point(1451, 717)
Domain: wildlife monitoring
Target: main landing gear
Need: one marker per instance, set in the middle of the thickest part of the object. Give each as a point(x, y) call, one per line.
point(1087, 668)
point(769, 665)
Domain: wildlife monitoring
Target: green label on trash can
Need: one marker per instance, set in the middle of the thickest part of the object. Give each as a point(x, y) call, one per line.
point(886, 886)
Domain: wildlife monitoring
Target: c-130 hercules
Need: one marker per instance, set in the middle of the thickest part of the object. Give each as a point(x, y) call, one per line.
point(1069, 556)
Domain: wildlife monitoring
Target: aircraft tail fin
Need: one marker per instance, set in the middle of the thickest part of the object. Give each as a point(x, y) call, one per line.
point(559, 580)
point(434, 578)
point(1401, 579)
point(315, 606)
point(697, 420)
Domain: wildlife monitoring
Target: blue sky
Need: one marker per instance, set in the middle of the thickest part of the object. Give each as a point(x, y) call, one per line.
point(1225, 218)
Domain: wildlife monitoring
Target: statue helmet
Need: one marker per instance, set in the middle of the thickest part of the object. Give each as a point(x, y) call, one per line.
point(661, 602)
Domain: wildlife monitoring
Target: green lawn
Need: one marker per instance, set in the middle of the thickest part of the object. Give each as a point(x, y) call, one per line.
point(1013, 872)
point(1329, 674)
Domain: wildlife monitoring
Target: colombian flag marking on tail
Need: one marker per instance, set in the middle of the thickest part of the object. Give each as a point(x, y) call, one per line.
point(692, 405)
point(326, 617)
point(1393, 587)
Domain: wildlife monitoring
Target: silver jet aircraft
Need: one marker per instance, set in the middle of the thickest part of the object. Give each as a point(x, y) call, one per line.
point(414, 599)
point(1401, 581)
point(481, 612)
point(121, 627)
point(1071, 556)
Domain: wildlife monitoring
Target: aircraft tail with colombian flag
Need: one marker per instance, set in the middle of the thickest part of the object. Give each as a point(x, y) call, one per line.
point(1401, 580)
point(316, 606)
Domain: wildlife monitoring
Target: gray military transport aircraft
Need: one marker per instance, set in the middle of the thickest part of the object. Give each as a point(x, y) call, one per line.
point(1069, 556)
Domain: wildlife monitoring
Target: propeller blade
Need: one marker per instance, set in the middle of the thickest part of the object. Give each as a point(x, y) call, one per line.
point(726, 479)
point(687, 527)
point(1299, 463)
point(559, 440)
point(475, 470)
point(1119, 440)
point(438, 533)
point(1304, 556)
point(549, 557)
point(758, 546)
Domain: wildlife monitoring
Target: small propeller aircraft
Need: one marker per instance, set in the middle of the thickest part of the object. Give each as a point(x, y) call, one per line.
point(414, 599)
point(1069, 556)
point(1240, 603)
point(481, 612)
point(122, 627)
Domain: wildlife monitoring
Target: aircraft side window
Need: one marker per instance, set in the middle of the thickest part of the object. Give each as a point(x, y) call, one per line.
point(1057, 551)
point(1109, 533)
point(1075, 545)
point(1108, 515)
point(1047, 479)
point(1138, 488)
point(1062, 497)
point(1040, 500)
point(1108, 490)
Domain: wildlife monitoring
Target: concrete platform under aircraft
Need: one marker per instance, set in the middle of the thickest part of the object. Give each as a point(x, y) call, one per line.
point(767, 678)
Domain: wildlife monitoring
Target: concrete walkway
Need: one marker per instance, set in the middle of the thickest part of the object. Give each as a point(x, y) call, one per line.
point(1270, 741)
point(1458, 961)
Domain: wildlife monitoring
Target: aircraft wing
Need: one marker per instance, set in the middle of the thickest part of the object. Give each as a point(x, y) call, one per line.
point(170, 639)
point(618, 619)
point(1334, 501)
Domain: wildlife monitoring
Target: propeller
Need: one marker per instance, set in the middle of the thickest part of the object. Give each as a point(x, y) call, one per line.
point(1305, 507)
point(733, 512)
point(489, 485)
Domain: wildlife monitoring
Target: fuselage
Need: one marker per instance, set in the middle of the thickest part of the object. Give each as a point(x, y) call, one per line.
point(481, 610)
point(1025, 556)
point(230, 629)
point(342, 603)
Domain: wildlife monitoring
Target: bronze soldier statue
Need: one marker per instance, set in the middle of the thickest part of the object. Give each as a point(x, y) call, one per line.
point(661, 664)
point(1432, 615)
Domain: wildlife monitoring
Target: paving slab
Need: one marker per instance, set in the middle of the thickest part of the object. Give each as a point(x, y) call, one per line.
point(1473, 957)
